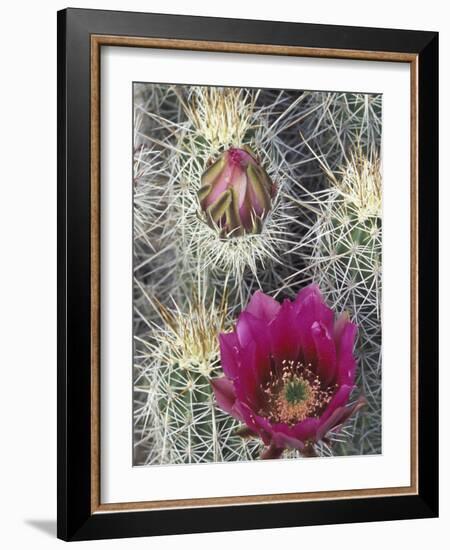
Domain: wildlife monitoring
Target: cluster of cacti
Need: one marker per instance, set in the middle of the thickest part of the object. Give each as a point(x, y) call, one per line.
point(185, 424)
point(343, 247)
point(344, 250)
point(237, 190)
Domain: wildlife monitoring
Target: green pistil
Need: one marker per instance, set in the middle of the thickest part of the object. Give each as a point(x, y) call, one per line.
point(296, 391)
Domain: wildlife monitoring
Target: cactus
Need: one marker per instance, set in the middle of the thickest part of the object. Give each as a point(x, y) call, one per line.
point(345, 260)
point(184, 353)
point(222, 124)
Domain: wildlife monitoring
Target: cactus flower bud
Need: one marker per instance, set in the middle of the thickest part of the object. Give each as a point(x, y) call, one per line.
point(236, 193)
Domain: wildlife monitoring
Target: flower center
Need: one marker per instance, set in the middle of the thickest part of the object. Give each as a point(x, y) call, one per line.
point(294, 394)
point(296, 391)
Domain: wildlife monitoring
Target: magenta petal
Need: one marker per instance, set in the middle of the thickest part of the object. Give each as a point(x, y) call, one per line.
point(224, 393)
point(262, 306)
point(285, 334)
point(256, 423)
point(339, 325)
point(312, 310)
point(284, 441)
point(325, 352)
point(307, 292)
point(350, 410)
point(345, 359)
point(330, 423)
point(295, 437)
point(262, 423)
point(346, 370)
point(247, 383)
point(229, 354)
point(310, 303)
point(340, 398)
point(347, 334)
point(339, 416)
point(306, 429)
point(251, 331)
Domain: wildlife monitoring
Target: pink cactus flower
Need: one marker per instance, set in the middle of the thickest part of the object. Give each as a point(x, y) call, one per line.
point(236, 193)
point(289, 371)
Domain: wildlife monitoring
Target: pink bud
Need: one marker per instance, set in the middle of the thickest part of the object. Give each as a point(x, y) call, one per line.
point(236, 193)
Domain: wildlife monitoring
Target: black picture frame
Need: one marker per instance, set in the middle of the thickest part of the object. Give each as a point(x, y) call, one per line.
point(76, 520)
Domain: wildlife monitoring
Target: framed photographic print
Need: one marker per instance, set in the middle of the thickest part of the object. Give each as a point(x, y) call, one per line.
point(247, 274)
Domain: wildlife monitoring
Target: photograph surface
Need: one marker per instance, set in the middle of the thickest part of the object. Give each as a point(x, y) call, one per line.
point(257, 264)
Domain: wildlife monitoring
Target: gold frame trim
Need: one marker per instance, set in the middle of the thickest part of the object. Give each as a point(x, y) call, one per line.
point(97, 41)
